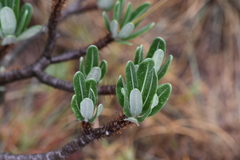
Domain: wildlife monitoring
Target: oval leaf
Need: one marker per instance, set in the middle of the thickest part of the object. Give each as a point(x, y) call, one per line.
point(9, 40)
point(30, 32)
point(163, 93)
point(138, 55)
point(120, 96)
point(135, 102)
point(103, 67)
point(79, 84)
point(95, 74)
point(133, 120)
point(87, 109)
point(158, 43)
point(114, 28)
point(8, 21)
point(163, 70)
point(140, 10)
point(98, 112)
point(91, 58)
point(75, 105)
point(158, 58)
point(126, 30)
point(131, 76)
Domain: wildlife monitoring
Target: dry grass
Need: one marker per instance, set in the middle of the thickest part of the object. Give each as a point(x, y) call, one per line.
point(201, 119)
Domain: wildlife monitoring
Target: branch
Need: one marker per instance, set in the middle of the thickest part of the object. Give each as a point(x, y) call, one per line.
point(77, 9)
point(103, 42)
point(112, 128)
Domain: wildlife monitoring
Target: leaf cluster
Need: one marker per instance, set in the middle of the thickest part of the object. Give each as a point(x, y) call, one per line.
point(141, 96)
point(123, 24)
point(14, 21)
point(85, 86)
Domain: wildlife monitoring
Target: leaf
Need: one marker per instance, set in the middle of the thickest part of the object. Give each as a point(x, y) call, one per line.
point(127, 15)
point(158, 43)
point(138, 55)
point(133, 120)
point(76, 108)
point(81, 66)
point(15, 7)
point(114, 28)
point(92, 96)
point(21, 22)
point(131, 76)
point(106, 20)
point(95, 74)
point(126, 30)
point(91, 58)
point(125, 42)
point(116, 11)
point(98, 112)
point(140, 10)
point(30, 32)
point(105, 4)
point(144, 115)
point(26, 7)
point(136, 103)
point(80, 88)
point(147, 81)
point(154, 101)
point(8, 21)
point(91, 86)
point(158, 58)
point(103, 67)
point(163, 92)
point(9, 40)
point(87, 108)
point(120, 84)
point(163, 70)
point(122, 4)
point(139, 32)
point(126, 110)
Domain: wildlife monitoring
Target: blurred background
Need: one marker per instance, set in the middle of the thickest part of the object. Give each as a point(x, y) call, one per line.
point(201, 120)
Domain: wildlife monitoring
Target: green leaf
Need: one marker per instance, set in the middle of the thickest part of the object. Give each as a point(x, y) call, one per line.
point(114, 28)
point(26, 7)
point(105, 4)
point(140, 10)
point(131, 76)
point(87, 109)
point(15, 7)
point(136, 103)
point(106, 20)
point(144, 115)
point(92, 84)
point(30, 32)
point(163, 70)
point(75, 105)
point(126, 110)
point(98, 112)
point(163, 92)
point(139, 32)
point(81, 66)
point(138, 55)
point(158, 43)
point(21, 22)
point(8, 21)
point(133, 120)
point(126, 30)
point(127, 15)
point(103, 67)
point(120, 84)
point(95, 74)
point(9, 40)
point(117, 11)
point(122, 4)
point(91, 58)
point(92, 96)
point(80, 88)
point(125, 42)
point(147, 81)
point(158, 58)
